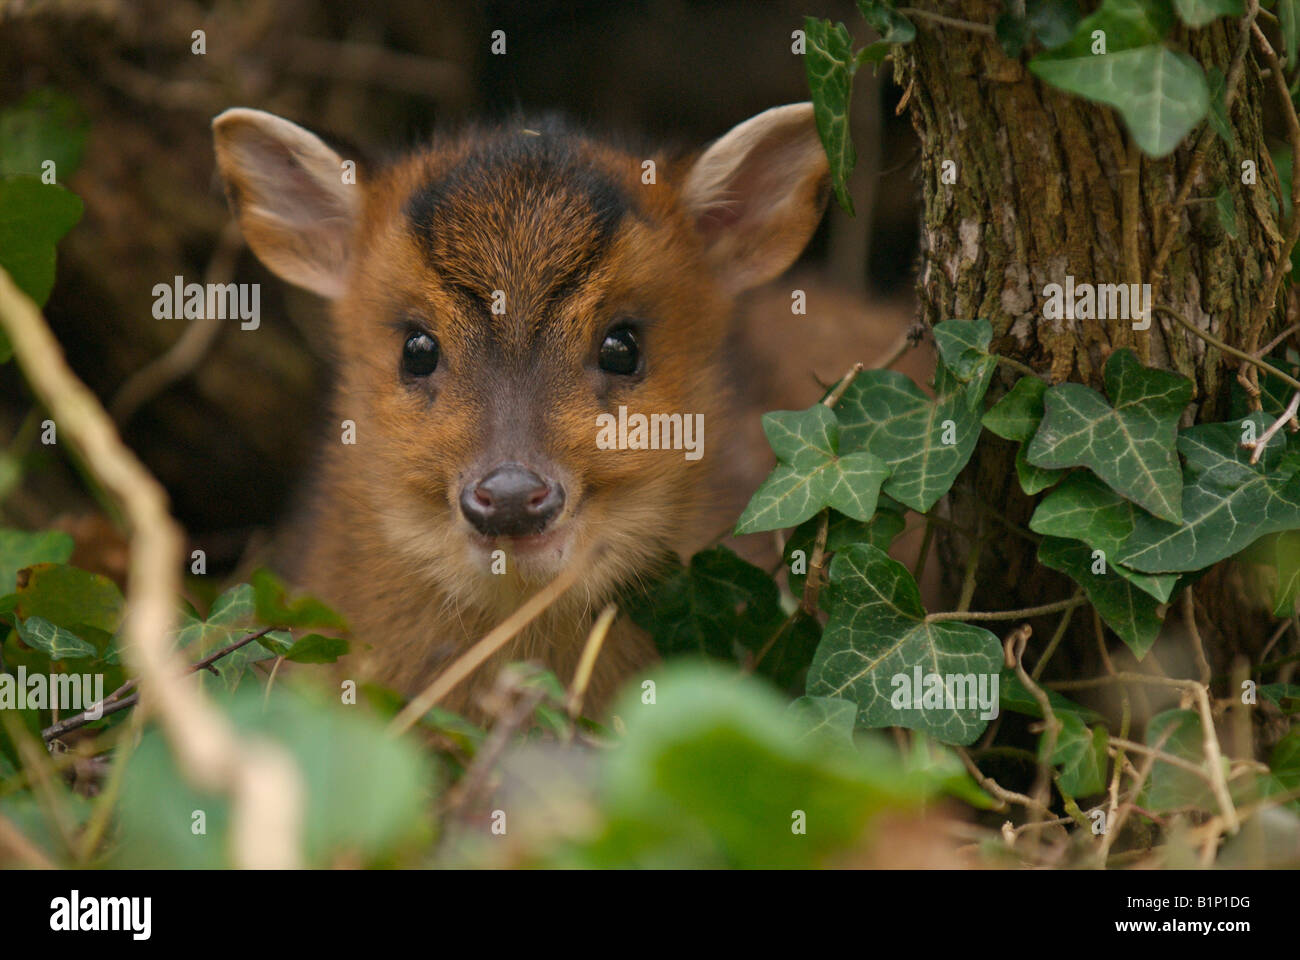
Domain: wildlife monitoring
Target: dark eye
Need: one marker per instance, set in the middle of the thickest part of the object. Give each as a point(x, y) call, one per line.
point(419, 355)
point(620, 353)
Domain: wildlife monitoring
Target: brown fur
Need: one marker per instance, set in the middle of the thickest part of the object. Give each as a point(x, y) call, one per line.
point(566, 228)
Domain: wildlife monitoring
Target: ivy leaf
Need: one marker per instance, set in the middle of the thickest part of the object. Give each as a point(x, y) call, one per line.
point(34, 216)
point(1131, 612)
point(1170, 787)
point(19, 549)
point(274, 608)
point(1081, 755)
point(84, 603)
point(828, 720)
point(1218, 117)
point(314, 648)
point(57, 642)
point(964, 349)
point(1228, 503)
point(1284, 551)
point(878, 633)
point(892, 26)
point(1197, 13)
point(1016, 417)
point(1161, 94)
point(829, 64)
point(1131, 445)
point(1084, 508)
point(811, 473)
point(1225, 212)
point(1017, 699)
point(887, 414)
point(1052, 21)
point(841, 531)
point(711, 606)
point(1126, 24)
point(232, 617)
point(1287, 14)
point(1284, 696)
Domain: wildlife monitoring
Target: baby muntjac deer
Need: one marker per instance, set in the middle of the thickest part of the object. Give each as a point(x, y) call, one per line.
point(511, 306)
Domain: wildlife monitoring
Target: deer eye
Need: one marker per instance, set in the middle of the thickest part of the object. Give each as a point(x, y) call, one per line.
point(620, 352)
point(419, 355)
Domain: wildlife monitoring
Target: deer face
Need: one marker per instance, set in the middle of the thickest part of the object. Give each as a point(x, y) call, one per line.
point(505, 302)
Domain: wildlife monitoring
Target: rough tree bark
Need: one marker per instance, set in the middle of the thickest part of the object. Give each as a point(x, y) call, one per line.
point(1045, 187)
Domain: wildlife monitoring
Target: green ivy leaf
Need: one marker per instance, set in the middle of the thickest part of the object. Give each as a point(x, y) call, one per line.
point(877, 631)
point(841, 531)
point(88, 604)
point(314, 648)
point(1284, 552)
point(1017, 699)
point(885, 413)
point(1016, 417)
point(58, 643)
point(829, 64)
point(1081, 755)
point(811, 474)
point(34, 216)
point(365, 794)
point(233, 616)
point(19, 549)
point(1225, 212)
point(1227, 504)
point(1197, 13)
point(828, 720)
point(1218, 116)
point(1161, 94)
point(1052, 21)
point(711, 606)
point(274, 608)
point(46, 125)
point(964, 349)
point(671, 788)
point(1288, 13)
point(1084, 508)
point(892, 26)
point(1131, 445)
point(1170, 787)
point(1127, 25)
point(1131, 612)
point(1284, 696)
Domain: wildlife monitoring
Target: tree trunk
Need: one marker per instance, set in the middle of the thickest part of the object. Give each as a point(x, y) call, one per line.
point(1045, 187)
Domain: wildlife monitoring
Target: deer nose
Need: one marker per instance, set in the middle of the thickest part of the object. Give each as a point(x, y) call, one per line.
point(511, 501)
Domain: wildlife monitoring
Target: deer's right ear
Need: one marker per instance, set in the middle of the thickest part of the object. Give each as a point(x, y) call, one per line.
point(287, 190)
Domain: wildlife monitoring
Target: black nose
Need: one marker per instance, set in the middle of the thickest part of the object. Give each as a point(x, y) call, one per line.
point(511, 501)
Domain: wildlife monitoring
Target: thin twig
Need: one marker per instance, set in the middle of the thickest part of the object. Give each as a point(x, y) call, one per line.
point(493, 641)
point(967, 25)
point(1230, 350)
point(1022, 614)
point(595, 643)
point(260, 778)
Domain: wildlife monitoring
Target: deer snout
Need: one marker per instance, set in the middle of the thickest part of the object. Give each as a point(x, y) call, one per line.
point(511, 501)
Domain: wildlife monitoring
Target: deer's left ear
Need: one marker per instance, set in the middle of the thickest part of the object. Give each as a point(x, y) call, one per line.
point(758, 193)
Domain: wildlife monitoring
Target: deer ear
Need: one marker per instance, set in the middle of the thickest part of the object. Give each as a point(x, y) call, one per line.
point(758, 193)
point(286, 188)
